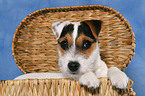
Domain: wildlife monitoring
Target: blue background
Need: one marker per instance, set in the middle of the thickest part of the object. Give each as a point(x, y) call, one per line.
point(13, 11)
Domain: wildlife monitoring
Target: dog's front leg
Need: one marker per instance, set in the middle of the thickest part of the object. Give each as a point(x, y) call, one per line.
point(89, 79)
point(118, 78)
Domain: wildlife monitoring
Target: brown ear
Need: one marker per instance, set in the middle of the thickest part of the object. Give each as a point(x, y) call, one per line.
point(95, 26)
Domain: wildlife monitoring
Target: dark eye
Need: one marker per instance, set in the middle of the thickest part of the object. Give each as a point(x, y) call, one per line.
point(86, 44)
point(64, 45)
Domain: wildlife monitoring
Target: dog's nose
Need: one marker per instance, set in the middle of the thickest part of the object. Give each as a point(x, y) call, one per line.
point(73, 66)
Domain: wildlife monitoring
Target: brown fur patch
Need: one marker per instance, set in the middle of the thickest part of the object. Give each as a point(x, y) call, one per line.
point(67, 37)
point(79, 43)
point(95, 26)
point(92, 27)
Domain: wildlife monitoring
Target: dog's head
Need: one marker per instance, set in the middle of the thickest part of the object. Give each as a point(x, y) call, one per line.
point(77, 45)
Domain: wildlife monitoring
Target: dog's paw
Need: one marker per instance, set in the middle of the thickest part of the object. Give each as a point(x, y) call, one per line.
point(118, 78)
point(90, 80)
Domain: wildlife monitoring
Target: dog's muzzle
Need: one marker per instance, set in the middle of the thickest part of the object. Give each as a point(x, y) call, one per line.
point(73, 66)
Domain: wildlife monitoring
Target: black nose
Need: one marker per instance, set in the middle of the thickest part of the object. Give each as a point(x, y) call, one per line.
point(73, 66)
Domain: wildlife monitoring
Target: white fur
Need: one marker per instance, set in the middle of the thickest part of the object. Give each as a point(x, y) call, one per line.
point(75, 32)
point(118, 78)
point(58, 27)
point(89, 79)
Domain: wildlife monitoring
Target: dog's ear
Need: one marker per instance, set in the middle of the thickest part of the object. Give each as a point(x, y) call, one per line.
point(58, 27)
point(95, 26)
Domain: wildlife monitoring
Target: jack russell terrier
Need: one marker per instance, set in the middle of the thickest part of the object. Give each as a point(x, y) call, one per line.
point(79, 55)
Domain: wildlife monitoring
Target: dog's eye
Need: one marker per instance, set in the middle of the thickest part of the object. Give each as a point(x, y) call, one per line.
point(64, 45)
point(86, 45)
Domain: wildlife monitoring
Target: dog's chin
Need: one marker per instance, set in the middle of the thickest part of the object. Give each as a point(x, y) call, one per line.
point(72, 75)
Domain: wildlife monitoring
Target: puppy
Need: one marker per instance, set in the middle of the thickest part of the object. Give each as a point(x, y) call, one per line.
point(79, 55)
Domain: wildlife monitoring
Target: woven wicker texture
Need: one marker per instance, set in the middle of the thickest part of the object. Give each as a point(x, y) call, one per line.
point(34, 45)
point(59, 87)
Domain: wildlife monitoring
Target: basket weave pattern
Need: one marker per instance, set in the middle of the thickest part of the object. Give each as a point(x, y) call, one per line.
point(34, 45)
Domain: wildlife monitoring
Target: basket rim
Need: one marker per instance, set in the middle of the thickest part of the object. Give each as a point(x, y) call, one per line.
point(67, 9)
point(37, 82)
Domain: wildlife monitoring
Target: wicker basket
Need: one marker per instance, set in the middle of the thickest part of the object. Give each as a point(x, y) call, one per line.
point(34, 50)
